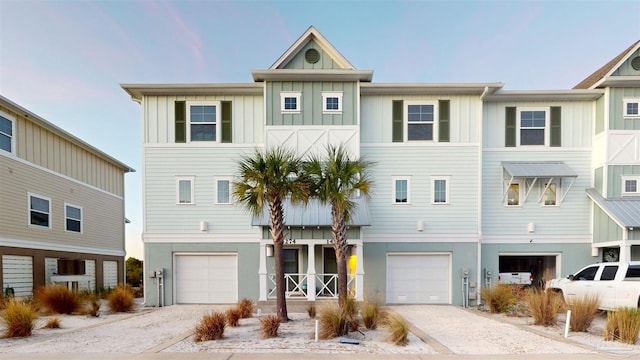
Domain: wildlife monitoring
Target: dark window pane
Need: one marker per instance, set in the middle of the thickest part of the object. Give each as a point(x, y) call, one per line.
point(5, 126)
point(332, 103)
point(587, 274)
point(73, 213)
point(633, 272)
point(40, 219)
point(420, 132)
point(609, 273)
point(440, 191)
point(73, 225)
point(290, 103)
point(203, 132)
point(630, 186)
point(422, 113)
point(38, 204)
point(632, 108)
point(531, 137)
point(5, 143)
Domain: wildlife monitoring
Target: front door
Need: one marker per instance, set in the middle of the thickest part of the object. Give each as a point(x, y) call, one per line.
point(291, 266)
point(330, 270)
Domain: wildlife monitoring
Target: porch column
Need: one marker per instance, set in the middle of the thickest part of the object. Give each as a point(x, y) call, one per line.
point(625, 252)
point(311, 272)
point(359, 272)
point(262, 272)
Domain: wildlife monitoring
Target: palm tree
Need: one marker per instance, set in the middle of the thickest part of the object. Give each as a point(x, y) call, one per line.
point(336, 179)
point(267, 179)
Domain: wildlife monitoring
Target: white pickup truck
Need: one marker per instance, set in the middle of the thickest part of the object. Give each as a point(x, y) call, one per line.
point(616, 284)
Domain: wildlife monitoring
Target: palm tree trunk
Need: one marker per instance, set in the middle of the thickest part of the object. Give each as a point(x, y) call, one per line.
point(277, 232)
point(339, 231)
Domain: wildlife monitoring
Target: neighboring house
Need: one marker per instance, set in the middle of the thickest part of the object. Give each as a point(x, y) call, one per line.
point(469, 180)
point(61, 207)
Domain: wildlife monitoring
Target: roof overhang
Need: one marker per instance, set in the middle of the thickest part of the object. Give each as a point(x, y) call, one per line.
point(619, 81)
point(312, 75)
point(625, 212)
point(137, 91)
point(62, 133)
point(545, 95)
point(532, 171)
point(429, 88)
point(314, 214)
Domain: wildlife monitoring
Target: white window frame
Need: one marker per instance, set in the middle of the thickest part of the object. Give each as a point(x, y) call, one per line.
point(547, 125)
point(557, 185)
point(66, 217)
point(49, 215)
point(218, 128)
point(216, 180)
point(394, 181)
point(12, 137)
point(434, 137)
point(191, 179)
point(284, 95)
point(626, 178)
point(624, 107)
point(521, 192)
point(327, 95)
point(447, 180)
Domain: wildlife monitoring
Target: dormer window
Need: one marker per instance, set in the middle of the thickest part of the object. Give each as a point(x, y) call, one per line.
point(332, 102)
point(631, 107)
point(290, 102)
point(630, 185)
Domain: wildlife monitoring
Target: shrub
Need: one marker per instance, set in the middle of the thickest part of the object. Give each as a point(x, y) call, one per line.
point(311, 310)
point(544, 306)
point(52, 323)
point(398, 329)
point(499, 297)
point(623, 324)
point(246, 308)
point(19, 317)
point(371, 315)
point(349, 307)
point(332, 324)
point(211, 327)
point(583, 311)
point(58, 299)
point(120, 299)
point(233, 316)
point(269, 326)
point(93, 305)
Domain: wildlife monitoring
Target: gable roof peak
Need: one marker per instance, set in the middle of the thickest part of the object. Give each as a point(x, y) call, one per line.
point(312, 34)
point(594, 79)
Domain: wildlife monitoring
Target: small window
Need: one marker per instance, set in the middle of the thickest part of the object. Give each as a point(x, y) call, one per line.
point(513, 195)
point(420, 121)
point(533, 126)
point(6, 133)
point(223, 191)
point(440, 186)
point(332, 102)
point(550, 196)
point(631, 107)
point(39, 211)
point(73, 218)
point(290, 102)
point(633, 273)
point(401, 188)
point(586, 274)
point(630, 185)
point(609, 273)
point(203, 121)
point(184, 190)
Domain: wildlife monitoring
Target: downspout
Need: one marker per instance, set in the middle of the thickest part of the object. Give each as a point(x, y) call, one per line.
point(479, 272)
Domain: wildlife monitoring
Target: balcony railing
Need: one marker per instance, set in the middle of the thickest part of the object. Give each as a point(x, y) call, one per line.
point(296, 285)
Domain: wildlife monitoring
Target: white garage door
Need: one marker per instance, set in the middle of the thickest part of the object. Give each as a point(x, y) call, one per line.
point(17, 273)
point(206, 279)
point(418, 279)
point(109, 274)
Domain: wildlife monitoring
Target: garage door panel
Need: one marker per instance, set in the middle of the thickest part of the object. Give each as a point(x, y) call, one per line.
point(206, 279)
point(418, 279)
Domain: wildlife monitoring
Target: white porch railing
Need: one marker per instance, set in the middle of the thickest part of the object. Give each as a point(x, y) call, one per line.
point(296, 285)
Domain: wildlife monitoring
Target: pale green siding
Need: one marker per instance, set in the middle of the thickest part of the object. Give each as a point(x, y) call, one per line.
point(616, 109)
point(634, 234)
point(604, 229)
point(598, 179)
point(599, 121)
point(311, 103)
point(325, 61)
point(615, 173)
point(626, 69)
point(311, 233)
point(635, 252)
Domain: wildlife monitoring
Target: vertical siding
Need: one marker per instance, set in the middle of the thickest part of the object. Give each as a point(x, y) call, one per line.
point(299, 62)
point(311, 103)
point(614, 178)
point(599, 121)
point(626, 69)
point(376, 117)
point(598, 179)
point(616, 109)
point(604, 229)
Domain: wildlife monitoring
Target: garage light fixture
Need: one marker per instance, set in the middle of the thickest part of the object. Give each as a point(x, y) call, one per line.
point(531, 227)
point(203, 226)
point(269, 249)
point(420, 225)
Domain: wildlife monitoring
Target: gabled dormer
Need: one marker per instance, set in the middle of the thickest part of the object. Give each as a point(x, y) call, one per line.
point(312, 97)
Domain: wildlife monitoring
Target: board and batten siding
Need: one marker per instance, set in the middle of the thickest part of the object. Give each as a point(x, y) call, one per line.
point(247, 114)
point(617, 121)
point(311, 105)
point(576, 123)
point(604, 229)
point(569, 218)
point(102, 213)
point(164, 164)
point(614, 178)
point(324, 62)
point(420, 163)
point(376, 117)
point(39, 146)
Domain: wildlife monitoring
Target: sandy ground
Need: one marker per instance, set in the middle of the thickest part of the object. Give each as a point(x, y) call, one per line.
point(444, 329)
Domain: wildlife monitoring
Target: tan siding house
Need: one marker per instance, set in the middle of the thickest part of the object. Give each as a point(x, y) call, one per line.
point(61, 202)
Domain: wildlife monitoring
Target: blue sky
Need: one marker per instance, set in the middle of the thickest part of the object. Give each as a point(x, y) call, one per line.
point(64, 60)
